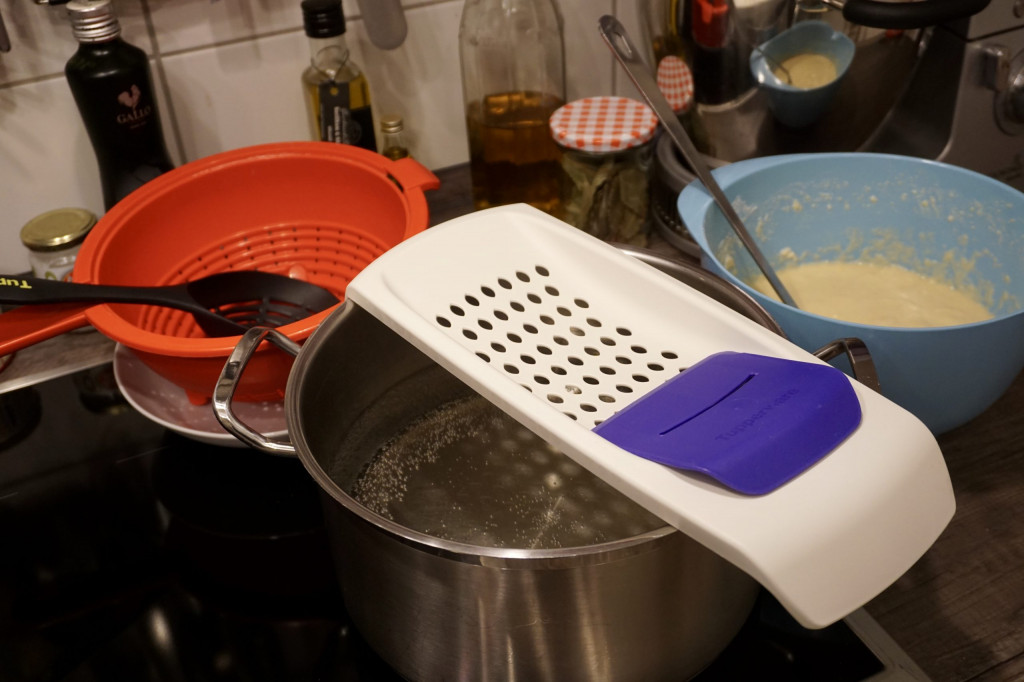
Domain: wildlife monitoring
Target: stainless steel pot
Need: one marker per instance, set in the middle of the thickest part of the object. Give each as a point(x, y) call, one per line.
point(656, 606)
point(652, 605)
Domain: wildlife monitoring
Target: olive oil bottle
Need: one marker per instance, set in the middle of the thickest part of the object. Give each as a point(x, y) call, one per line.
point(512, 156)
point(337, 93)
point(512, 57)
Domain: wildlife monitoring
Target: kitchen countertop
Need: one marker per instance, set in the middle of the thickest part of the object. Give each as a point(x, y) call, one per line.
point(959, 611)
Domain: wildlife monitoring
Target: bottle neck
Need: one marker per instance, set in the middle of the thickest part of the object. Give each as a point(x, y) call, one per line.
point(328, 54)
point(101, 47)
point(107, 37)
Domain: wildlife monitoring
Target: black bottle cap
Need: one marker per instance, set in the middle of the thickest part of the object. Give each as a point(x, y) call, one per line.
point(323, 18)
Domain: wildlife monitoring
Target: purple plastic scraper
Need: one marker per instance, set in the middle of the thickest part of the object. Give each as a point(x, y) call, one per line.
point(751, 422)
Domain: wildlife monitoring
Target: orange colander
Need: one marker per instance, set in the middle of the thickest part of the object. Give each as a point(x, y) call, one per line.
point(314, 210)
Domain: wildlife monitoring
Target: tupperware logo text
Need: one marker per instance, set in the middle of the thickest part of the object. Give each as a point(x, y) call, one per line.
point(780, 399)
point(18, 283)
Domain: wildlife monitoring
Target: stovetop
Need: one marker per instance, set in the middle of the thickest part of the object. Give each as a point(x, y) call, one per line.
point(133, 553)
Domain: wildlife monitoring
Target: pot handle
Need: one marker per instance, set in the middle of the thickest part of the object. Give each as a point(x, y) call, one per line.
point(231, 374)
point(906, 15)
point(856, 352)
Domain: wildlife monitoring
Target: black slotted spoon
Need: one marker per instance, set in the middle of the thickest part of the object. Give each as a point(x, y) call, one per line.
point(223, 304)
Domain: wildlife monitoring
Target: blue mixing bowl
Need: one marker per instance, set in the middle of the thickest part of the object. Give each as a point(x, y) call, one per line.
point(798, 107)
point(928, 216)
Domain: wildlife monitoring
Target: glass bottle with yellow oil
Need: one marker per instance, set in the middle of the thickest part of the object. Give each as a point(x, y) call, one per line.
point(513, 78)
point(337, 93)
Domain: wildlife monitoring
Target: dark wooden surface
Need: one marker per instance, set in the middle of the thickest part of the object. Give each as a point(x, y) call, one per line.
point(958, 612)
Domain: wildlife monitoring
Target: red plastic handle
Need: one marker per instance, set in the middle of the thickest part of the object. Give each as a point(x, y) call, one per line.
point(411, 174)
point(28, 325)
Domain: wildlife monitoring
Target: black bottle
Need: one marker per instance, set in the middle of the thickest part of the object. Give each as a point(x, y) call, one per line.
point(113, 88)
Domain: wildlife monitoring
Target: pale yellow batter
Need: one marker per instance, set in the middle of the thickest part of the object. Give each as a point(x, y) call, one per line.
point(808, 70)
point(867, 293)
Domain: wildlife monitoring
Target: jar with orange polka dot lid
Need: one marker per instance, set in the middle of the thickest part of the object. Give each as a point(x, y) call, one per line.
point(607, 147)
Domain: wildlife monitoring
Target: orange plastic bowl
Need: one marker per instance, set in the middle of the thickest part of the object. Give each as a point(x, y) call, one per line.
point(314, 210)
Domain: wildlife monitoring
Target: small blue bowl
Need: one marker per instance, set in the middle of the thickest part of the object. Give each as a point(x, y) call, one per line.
point(950, 222)
point(799, 107)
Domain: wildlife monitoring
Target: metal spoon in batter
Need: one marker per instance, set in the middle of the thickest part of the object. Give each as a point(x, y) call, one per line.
point(618, 40)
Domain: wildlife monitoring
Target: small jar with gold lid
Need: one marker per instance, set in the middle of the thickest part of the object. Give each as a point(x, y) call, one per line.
point(393, 142)
point(53, 240)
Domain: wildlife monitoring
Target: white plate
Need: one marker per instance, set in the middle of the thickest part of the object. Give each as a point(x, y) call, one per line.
point(165, 403)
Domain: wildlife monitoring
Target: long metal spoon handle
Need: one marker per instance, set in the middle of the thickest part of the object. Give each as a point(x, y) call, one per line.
point(775, 65)
point(618, 40)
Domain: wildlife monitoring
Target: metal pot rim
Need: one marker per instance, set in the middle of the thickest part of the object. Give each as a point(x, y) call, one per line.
point(504, 557)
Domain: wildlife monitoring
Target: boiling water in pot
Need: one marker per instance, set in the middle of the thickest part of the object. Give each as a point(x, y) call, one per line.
point(467, 472)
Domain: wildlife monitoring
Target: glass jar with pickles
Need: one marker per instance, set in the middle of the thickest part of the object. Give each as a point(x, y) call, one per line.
point(607, 147)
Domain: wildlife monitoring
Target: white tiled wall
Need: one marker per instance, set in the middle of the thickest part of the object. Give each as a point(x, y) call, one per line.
point(227, 75)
